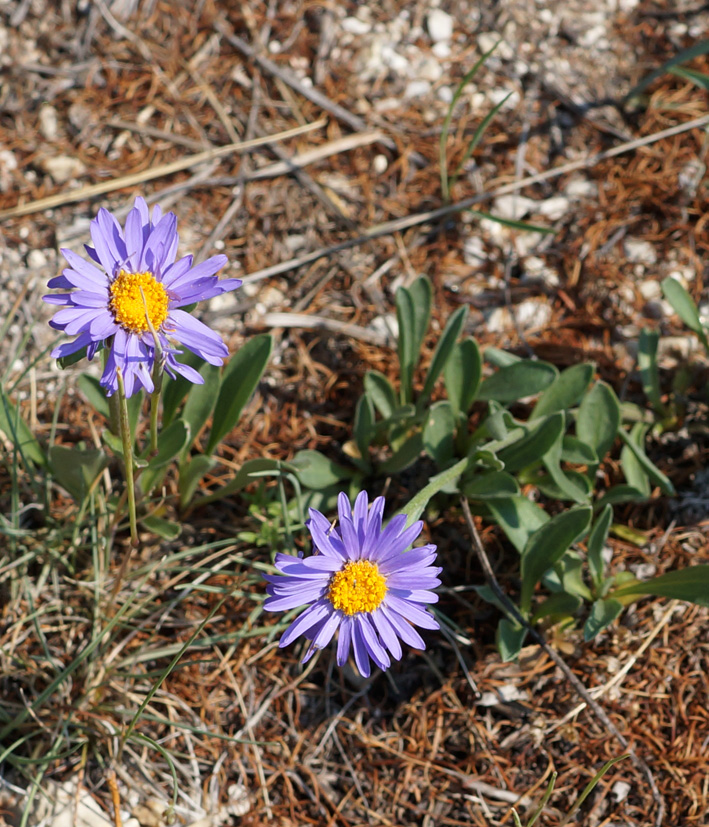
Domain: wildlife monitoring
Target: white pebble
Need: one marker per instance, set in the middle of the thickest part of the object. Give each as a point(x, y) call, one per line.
point(354, 25)
point(440, 25)
point(380, 164)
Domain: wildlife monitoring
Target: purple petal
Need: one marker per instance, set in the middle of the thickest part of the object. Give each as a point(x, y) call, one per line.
point(344, 640)
point(387, 633)
point(61, 282)
point(404, 629)
point(206, 289)
point(103, 242)
point(160, 238)
point(112, 234)
point(196, 336)
point(349, 538)
point(417, 558)
point(103, 325)
point(176, 271)
point(135, 237)
point(67, 348)
point(391, 547)
point(205, 268)
point(89, 298)
point(361, 653)
point(327, 630)
point(376, 651)
point(285, 602)
point(330, 544)
point(360, 515)
point(411, 612)
point(172, 365)
point(311, 616)
point(58, 298)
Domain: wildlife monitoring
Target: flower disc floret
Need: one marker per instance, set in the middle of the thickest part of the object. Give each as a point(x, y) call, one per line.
point(359, 587)
point(364, 582)
point(137, 297)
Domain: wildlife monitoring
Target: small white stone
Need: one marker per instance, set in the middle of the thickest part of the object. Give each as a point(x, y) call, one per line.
point(442, 49)
point(354, 25)
point(439, 25)
point(536, 270)
point(8, 160)
point(417, 89)
point(578, 188)
point(684, 275)
point(513, 207)
point(380, 164)
point(63, 168)
point(36, 259)
point(474, 251)
point(385, 326)
point(650, 290)
point(487, 40)
point(554, 208)
point(274, 47)
point(48, 122)
point(445, 94)
point(429, 69)
point(593, 37)
point(620, 790)
point(639, 251)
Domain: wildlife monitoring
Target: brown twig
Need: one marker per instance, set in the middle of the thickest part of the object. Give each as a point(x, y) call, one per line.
point(538, 638)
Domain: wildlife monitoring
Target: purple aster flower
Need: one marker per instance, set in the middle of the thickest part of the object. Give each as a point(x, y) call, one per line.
point(361, 580)
point(136, 277)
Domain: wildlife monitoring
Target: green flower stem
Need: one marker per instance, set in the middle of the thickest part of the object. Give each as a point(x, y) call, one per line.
point(127, 438)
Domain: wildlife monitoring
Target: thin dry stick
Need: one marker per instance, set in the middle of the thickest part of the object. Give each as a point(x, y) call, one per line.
point(405, 223)
point(115, 798)
point(59, 199)
point(598, 710)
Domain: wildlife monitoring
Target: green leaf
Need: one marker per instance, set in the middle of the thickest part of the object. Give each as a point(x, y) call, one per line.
point(621, 494)
point(242, 479)
point(172, 441)
point(549, 487)
point(18, 433)
point(565, 391)
point(538, 439)
point(316, 471)
point(598, 419)
point(548, 545)
point(200, 401)
point(596, 543)
point(364, 426)
point(603, 613)
point(487, 594)
point(439, 432)
point(700, 79)
point(494, 485)
point(577, 452)
point(684, 55)
point(516, 381)
point(565, 482)
point(500, 358)
point(239, 381)
point(76, 470)
point(167, 529)
point(632, 469)
point(558, 607)
point(684, 306)
point(191, 472)
point(647, 364)
point(380, 390)
point(95, 394)
point(510, 638)
point(408, 451)
point(442, 146)
point(691, 584)
point(478, 134)
point(413, 312)
point(569, 573)
point(442, 353)
point(443, 481)
point(656, 476)
point(513, 224)
point(462, 375)
point(67, 361)
point(519, 518)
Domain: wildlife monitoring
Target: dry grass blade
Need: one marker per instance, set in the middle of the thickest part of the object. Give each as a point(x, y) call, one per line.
point(156, 172)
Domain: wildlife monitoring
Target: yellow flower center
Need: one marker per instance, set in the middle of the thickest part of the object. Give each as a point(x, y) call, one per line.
point(135, 295)
point(359, 587)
